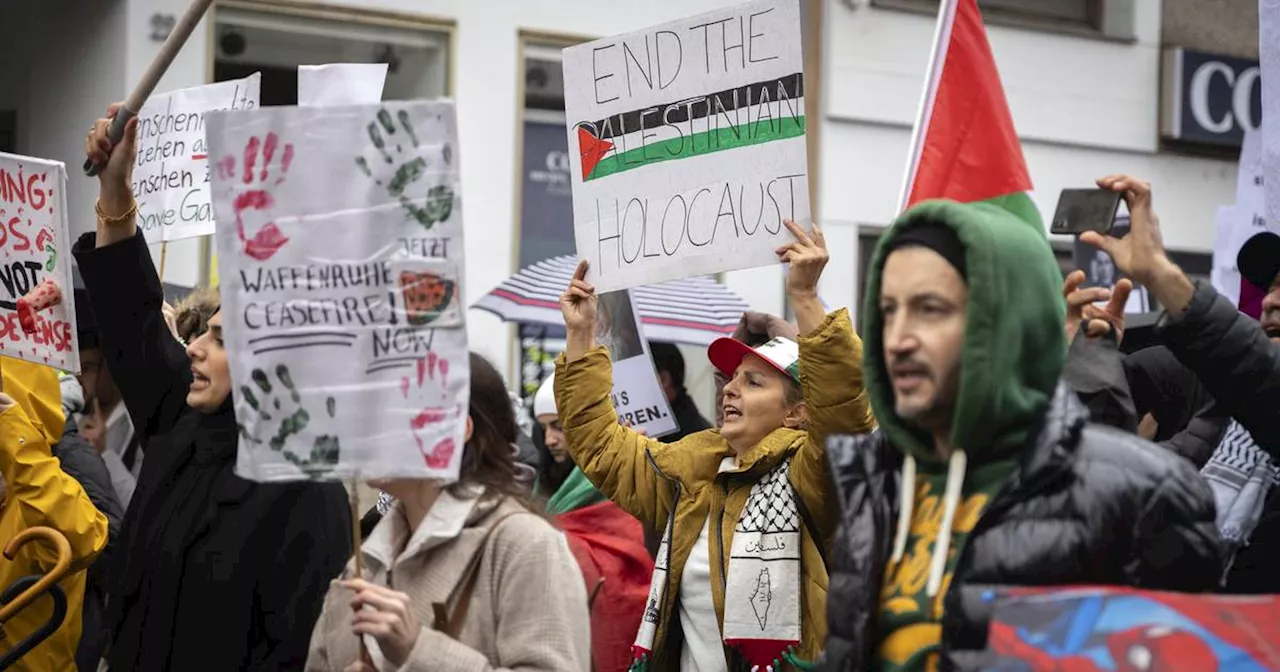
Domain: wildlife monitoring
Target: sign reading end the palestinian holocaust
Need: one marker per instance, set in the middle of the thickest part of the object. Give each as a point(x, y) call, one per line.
point(688, 144)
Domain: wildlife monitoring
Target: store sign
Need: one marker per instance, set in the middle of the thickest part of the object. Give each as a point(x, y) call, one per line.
point(1209, 98)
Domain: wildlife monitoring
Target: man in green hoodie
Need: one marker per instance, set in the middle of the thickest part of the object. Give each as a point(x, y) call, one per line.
point(985, 471)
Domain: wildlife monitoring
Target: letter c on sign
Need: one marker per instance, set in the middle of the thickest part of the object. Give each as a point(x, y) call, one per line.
point(1242, 97)
point(1200, 95)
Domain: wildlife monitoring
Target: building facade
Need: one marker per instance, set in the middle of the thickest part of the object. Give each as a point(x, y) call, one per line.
point(1095, 87)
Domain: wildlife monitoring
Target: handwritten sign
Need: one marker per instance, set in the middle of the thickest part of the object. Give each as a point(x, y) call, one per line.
point(637, 394)
point(1236, 224)
point(341, 267)
point(34, 247)
point(688, 144)
point(340, 83)
point(171, 175)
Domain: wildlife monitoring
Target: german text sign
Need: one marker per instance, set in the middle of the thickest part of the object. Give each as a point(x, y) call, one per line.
point(689, 144)
point(35, 249)
point(341, 289)
point(171, 174)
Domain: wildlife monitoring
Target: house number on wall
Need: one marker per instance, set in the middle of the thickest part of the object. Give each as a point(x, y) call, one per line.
point(161, 26)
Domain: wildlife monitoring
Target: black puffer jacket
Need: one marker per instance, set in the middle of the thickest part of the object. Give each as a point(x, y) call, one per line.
point(1061, 519)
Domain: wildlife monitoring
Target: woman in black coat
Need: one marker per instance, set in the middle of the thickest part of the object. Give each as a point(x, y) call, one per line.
point(212, 572)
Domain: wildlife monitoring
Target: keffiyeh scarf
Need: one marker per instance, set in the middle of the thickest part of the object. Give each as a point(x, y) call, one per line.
point(1240, 474)
point(762, 592)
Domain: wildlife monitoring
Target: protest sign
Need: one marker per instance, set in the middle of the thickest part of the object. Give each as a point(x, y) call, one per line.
point(689, 145)
point(36, 250)
point(637, 394)
point(1236, 224)
point(341, 267)
point(1269, 62)
point(340, 83)
point(171, 174)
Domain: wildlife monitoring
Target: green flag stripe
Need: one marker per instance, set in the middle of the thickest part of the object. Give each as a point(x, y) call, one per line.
point(698, 144)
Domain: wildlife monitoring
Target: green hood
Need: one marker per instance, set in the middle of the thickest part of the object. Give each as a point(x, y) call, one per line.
point(575, 493)
point(1014, 344)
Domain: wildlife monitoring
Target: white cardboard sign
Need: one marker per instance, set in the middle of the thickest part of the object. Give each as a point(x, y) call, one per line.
point(340, 84)
point(1269, 56)
point(171, 175)
point(342, 289)
point(637, 394)
point(35, 247)
point(689, 144)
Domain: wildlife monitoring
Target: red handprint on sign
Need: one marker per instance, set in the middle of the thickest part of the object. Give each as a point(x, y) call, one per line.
point(263, 244)
point(441, 453)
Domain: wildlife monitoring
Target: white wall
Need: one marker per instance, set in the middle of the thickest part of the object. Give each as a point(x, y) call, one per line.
point(78, 70)
point(1084, 108)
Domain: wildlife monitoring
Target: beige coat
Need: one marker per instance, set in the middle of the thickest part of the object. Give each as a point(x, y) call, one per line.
point(528, 611)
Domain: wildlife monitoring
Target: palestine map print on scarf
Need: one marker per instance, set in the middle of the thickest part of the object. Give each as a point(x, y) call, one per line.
point(689, 140)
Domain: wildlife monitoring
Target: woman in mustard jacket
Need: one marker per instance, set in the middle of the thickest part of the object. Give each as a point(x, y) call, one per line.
point(740, 579)
point(37, 492)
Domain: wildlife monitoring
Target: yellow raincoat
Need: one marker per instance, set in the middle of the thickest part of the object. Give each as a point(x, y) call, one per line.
point(647, 478)
point(39, 493)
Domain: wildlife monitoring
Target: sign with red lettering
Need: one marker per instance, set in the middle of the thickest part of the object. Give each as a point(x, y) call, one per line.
point(37, 310)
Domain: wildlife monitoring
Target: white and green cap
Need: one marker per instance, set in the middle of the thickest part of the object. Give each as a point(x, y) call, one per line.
point(783, 353)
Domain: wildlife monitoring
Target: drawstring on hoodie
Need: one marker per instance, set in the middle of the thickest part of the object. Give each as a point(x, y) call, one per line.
point(956, 466)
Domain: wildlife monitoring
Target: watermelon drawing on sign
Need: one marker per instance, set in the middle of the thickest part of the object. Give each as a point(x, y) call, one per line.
point(426, 296)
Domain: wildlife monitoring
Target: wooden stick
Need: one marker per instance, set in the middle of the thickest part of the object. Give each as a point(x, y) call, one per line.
point(355, 545)
point(164, 249)
point(164, 58)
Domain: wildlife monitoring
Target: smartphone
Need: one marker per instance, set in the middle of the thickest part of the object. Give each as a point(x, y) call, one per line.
point(1081, 210)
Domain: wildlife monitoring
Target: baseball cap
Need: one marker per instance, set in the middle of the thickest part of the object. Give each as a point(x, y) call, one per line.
point(1259, 259)
point(782, 353)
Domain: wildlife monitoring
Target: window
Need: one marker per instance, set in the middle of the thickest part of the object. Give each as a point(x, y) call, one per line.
point(1099, 18)
point(275, 42)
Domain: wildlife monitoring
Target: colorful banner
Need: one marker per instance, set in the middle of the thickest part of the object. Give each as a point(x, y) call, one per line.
point(1115, 629)
point(171, 174)
point(688, 145)
point(37, 304)
point(341, 266)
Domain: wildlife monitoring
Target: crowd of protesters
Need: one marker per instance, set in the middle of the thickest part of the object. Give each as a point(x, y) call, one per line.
point(859, 486)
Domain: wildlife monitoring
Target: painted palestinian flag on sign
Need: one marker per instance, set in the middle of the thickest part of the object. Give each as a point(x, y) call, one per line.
point(964, 146)
point(747, 115)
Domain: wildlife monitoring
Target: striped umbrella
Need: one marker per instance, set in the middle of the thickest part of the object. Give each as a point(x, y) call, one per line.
point(695, 311)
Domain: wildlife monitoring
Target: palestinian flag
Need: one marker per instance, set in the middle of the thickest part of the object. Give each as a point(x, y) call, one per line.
point(752, 114)
point(964, 146)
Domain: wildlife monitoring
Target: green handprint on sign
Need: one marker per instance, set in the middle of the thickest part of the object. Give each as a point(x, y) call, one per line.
point(383, 135)
point(292, 418)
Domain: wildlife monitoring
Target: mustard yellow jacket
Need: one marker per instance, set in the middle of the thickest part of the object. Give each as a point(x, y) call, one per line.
point(649, 479)
point(39, 493)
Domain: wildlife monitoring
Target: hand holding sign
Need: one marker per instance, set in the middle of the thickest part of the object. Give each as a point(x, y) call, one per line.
point(116, 178)
point(578, 304)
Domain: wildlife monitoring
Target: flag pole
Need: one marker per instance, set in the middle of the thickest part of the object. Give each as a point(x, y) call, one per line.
point(941, 33)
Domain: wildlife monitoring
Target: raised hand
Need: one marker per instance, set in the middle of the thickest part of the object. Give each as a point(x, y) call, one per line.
point(807, 257)
point(1141, 253)
point(579, 302)
point(115, 182)
point(1081, 306)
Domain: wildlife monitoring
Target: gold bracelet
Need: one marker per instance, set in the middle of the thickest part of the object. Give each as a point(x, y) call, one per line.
point(107, 219)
